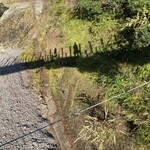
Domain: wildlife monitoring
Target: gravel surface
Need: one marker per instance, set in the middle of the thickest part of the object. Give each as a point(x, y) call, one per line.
point(20, 109)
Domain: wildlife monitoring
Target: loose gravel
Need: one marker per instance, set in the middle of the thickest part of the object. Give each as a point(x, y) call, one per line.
point(20, 108)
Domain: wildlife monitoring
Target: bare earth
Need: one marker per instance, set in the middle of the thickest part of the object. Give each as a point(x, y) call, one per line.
point(20, 109)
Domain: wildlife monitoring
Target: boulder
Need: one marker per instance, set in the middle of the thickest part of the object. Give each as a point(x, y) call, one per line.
point(3, 8)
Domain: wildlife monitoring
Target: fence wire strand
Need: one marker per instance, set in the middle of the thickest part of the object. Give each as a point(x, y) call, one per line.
point(73, 115)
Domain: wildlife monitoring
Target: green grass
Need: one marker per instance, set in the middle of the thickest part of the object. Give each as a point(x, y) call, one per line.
point(76, 31)
point(112, 70)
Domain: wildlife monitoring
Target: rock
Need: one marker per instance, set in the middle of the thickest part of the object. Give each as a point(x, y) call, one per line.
point(3, 8)
point(145, 113)
point(38, 6)
point(14, 10)
point(44, 111)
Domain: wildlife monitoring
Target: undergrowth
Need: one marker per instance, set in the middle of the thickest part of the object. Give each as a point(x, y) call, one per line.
point(121, 62)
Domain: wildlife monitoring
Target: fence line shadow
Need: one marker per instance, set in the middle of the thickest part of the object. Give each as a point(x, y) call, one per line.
point(21, 66)
point(89, 60)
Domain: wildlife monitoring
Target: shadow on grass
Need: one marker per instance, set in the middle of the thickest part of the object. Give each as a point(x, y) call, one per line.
point(108, 62)
point(105, 62)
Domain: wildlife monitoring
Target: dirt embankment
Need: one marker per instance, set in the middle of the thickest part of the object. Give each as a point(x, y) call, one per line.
point(52, 112)
point(61, 88)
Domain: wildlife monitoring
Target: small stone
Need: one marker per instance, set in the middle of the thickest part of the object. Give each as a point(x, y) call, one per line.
point(145, 113)
point(44, 111)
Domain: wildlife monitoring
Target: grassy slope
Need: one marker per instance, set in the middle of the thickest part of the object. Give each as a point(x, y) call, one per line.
point(110, 73)
point(98, 77)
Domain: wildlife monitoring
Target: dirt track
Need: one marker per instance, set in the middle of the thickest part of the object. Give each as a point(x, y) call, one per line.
point(20, 109)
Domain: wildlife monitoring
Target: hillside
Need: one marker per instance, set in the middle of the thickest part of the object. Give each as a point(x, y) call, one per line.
point(114, 40)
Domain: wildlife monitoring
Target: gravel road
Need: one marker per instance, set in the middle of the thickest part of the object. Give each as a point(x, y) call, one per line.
point(20, 109)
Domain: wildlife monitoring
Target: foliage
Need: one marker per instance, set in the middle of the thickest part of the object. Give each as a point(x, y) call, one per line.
point(132, 15)
point(135, 105)
point(138, 5)
point(121, 30)
point(76, 31)
point(96, 133)
point(104, 134)
point(95, 9)
point(88, 9)
point(135, 34)
point(142, 137)
point(103, 30)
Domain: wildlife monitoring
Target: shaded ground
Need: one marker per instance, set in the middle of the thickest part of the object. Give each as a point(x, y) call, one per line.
point(20, 111)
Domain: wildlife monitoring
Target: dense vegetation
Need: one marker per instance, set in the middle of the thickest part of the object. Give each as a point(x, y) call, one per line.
point(121, 30)
point(118, 31)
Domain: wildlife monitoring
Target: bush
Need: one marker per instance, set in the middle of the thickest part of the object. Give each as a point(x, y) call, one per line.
point(76, 31)
point(135, 33)
point(88, 9)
